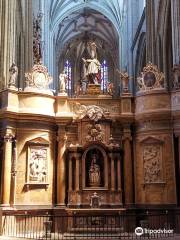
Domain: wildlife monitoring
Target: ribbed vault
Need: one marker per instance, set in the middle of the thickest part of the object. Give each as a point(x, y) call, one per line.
point(74, 22)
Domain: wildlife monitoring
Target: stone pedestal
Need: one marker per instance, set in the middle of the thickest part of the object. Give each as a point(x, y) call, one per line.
point(94, 89)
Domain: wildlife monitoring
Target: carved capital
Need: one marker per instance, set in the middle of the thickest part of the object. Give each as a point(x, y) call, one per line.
point(8, 137)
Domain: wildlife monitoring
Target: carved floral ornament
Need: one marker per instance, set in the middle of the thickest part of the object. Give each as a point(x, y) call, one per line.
point(94, 133)
point(151, 78)
point(94, 112)
point(38, 77)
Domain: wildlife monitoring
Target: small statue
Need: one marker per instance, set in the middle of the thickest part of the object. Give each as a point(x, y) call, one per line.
point(13, 71)
point(140, 82)
point(62, 82)
point(110, 88)
point(125, 80)
point(94, 173)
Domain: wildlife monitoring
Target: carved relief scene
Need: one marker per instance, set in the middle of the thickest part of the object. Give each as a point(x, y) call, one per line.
point(37, 165)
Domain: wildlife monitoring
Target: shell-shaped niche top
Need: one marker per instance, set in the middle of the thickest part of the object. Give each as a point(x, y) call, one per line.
point(38, 80)
point(151, 79)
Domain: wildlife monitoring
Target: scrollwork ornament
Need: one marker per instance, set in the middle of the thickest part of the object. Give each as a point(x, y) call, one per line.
point(94, 112)
point(151, 78)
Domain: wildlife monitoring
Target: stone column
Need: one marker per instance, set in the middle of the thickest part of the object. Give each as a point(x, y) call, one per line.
point(175, 19)
point(77, 172)
point(13, 172)
point(61, 171)
point(70, 174)
point(8, 43)
point(112, 173)
point(150, 33)
point(128, 180)
point(6, 180)
point(119, 173)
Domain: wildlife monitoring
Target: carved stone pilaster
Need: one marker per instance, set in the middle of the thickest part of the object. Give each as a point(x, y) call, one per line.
point(6, 183)
point(61, 166)
point(128, 180)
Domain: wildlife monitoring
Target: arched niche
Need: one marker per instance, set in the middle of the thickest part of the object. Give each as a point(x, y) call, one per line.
point(94, 155)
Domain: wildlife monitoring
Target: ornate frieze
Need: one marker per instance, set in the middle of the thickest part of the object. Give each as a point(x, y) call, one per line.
point(151, 78)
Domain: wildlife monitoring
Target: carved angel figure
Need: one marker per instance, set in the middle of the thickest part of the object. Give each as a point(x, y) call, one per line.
point(62, 82)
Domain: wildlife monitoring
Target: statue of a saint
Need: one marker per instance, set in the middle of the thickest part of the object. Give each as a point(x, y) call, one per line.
point(62, 82)
point(13, 71)
point(92, 66)
point(94, 173)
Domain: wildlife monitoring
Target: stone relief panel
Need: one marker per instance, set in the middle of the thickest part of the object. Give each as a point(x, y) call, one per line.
point(152, 161)
point(37, 164)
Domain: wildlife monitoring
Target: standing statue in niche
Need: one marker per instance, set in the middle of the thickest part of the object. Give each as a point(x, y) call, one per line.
point(94, 173)
point(125, 81)
point(13, 71)
point(92, 66)
point(63, 78)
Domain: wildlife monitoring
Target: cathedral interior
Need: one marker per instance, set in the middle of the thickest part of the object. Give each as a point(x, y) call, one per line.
point(89, 108)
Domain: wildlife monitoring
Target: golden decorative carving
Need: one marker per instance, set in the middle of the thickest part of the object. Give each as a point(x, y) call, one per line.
point(151, 78)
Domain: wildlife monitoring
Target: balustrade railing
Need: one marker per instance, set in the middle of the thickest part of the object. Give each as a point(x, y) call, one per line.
point(107, 227)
